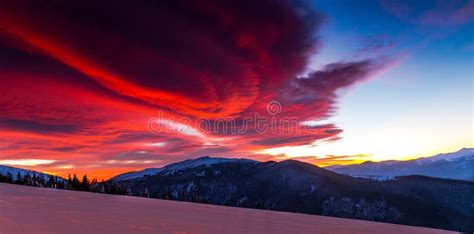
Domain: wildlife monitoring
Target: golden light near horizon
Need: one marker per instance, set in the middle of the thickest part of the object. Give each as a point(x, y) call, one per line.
point(26, 162)
point(391, 146)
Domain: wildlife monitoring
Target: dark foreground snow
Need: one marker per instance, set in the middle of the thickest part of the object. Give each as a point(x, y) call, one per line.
point(30, 209)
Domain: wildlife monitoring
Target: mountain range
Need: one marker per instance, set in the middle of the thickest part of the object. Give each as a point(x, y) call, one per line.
point(296, 186)
point(457, 165)
point(404, 196)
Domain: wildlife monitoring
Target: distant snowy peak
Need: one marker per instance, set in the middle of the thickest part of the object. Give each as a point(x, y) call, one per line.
point(174, 167)
point(464, 152)
point(366, 164)
point(456, 165)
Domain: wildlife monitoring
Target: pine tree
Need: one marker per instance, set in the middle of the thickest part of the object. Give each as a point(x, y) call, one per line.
point(51, 181)
point(146, 193)
point(35, 180)
point(102, 188)
point(28, 179)
point(19, 178)
point(85, 183)
point(75, 185)
point(69, 182)
point(9, 177)
point(129, 191)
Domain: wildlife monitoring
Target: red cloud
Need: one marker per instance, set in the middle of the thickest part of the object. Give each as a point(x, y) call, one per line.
point(208, 59)
point(79, 84)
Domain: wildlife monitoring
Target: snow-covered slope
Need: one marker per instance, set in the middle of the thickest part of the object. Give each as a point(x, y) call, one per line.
point(138, 174)
point(4, 170)
point(174, 167)
point(26, 209)
point(456, 165)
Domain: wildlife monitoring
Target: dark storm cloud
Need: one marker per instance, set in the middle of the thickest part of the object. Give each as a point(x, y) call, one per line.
point(319, 85)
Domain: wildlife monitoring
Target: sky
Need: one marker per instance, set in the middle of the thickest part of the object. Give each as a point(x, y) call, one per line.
point(109, 87)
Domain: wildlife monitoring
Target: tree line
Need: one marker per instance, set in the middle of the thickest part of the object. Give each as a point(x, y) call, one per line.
point(71, 183)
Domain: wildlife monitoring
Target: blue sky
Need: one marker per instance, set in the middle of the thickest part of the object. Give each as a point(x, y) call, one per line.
point(424, 104)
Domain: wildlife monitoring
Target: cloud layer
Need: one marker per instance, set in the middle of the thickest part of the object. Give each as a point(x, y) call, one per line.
point(80, 81)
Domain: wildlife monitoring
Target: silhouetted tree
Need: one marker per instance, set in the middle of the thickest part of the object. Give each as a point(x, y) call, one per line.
point(75, 184)
point(19, 179)
point(146, 193)
point(85, 183)
point(9, 178)
point(69, 181)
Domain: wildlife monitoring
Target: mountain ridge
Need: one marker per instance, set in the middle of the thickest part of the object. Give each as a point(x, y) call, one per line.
point(455, 165)
point(365, 169)
point(204, 160)
point(14, 171)
point(301, 187)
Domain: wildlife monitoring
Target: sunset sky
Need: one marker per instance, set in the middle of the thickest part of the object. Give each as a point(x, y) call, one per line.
point(107, 87)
